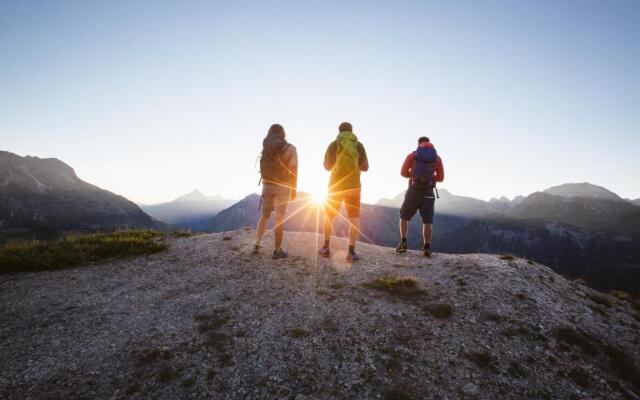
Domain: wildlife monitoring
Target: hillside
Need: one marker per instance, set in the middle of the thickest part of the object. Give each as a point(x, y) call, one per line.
point(208, 319)
point(42, 196)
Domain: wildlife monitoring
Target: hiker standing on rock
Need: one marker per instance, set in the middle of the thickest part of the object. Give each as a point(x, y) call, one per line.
point(345, 158)
point(279, 177)
point(424, 168)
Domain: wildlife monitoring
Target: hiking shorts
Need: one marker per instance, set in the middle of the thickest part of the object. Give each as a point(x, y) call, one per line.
point(351, 199)
point(415, 201)
point(275, 197)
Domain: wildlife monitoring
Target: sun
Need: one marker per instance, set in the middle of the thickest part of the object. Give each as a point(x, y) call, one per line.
point(319, 198)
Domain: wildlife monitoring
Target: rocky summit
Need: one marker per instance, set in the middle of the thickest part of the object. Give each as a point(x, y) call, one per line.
point(209, 319)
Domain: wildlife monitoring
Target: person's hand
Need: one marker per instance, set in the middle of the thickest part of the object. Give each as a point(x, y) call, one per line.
point(293, 195)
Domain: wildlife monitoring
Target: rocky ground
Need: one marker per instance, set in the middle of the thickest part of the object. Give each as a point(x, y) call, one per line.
point(208, 319)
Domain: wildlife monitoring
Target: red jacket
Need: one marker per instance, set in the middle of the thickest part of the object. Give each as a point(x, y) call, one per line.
point(408, 164)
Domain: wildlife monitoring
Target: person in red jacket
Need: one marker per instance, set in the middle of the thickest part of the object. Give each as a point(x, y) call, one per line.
point(424, 169)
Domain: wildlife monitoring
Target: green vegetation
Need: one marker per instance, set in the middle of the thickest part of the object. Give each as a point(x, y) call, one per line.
point(298, 333)
point(622, 364)
point(580, 376)
point(507, 257)
point(75, 250)
point(181, 234)
point(600, 299)
point(572, 337)
point(439, 310)
point(481, 359)
point(402, 286)
point(516, 370)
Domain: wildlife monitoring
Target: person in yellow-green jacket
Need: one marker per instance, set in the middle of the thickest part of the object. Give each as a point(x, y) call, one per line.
point(345, 158)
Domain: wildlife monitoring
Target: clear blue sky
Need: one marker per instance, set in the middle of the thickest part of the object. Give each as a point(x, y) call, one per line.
point(153, 99)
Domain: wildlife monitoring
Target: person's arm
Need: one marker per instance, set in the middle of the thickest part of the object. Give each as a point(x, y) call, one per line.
point(330, 157)
point(363, 161)
point(405, 171)
point(439, 170)
point(293, 168)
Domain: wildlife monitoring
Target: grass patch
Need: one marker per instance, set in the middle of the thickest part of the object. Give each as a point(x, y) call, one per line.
point(298, 333)
point(439, 310)
point(181, 234)
point(400, 286)
point(623, 364)
point(189, 382)
point(494, 317)
point(572, 337)
point(507, 257)
point(166, 374)
point(396, 394)
point(530, 262)
point(481, 359)
point(75, 250)
point(600, 299)
point(336, 285)
point(580, 377)
point(516, 370)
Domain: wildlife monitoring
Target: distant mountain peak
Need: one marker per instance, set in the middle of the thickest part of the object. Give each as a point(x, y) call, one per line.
point(584, 189)
point(194, 195)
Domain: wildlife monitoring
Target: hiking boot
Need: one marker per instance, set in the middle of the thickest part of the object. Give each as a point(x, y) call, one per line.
point(352, 257)
point(402, 247)
point(256, 249)
point(278, 254)
point(427, 252)
point(324, 251)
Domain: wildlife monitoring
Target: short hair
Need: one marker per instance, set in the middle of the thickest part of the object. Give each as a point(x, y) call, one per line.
point(277, 130)
point(423, 139)
point(345, 127)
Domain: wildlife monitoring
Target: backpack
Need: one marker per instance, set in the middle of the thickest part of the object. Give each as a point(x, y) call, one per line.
point(347, 155)
point(272, 167)
point(424, 168)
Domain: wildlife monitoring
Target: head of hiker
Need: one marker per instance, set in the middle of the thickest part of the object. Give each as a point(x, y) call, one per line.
point(423, 139)
point(275, 140)
point(345, 127)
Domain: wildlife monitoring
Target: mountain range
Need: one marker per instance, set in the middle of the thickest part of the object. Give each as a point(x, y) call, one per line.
point(43, 196)
point(579, 229)
point(188, 211)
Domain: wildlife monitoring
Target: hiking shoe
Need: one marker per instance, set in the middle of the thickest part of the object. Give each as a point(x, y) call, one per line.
point(277, 254)
point(256, 249)
point(427, 252)
point(402, 247)
point(352, 257)
point(324, 251)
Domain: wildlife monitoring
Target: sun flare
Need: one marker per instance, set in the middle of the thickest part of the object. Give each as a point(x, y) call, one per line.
point(319, 198)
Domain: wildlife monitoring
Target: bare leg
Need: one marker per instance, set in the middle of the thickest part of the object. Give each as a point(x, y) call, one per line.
point(262, 223)
point(404, 228)
point(279, 228)
point(327, 227)
point(426, 233)
point(354, 230)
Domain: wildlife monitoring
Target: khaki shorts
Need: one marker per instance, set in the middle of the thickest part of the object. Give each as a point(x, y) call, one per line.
point(275, 197)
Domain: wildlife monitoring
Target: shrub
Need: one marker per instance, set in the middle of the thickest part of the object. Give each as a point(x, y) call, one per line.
point(180, 234)
point(481, 359)
point(77, 250)
point(298, 333)
point(401, 286)
point(507, 257)
point(600, 299)
point(577, 338)
point(439, 310)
